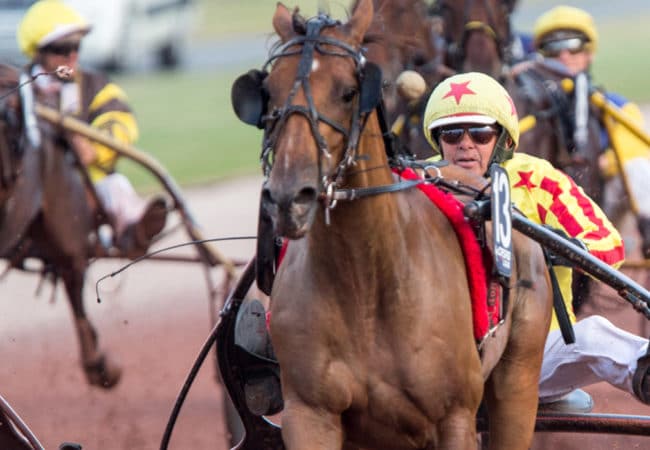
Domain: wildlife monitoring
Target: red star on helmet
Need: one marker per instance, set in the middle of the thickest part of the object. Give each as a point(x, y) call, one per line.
point(457, 91)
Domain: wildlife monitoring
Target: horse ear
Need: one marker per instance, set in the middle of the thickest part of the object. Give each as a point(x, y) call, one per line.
point(361, 19)
point(370, 95)
point(249, 98)
point(283, 23)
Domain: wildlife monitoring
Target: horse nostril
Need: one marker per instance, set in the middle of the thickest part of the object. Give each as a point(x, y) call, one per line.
point(306, 195)
point(267, 199)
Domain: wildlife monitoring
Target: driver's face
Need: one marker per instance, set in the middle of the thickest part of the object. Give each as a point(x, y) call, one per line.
point(575, 62)
point(474, 148)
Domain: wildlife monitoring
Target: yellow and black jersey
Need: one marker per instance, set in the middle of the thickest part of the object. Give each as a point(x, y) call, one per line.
point(104, 105)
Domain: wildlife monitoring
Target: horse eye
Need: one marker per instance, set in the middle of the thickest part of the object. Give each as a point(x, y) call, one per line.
point(349, 94)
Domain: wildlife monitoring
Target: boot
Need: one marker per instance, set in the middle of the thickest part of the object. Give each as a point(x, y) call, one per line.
point(643, 224)
point(136, 238)
point(641, 378)
point(260, 371)
point(575, 402)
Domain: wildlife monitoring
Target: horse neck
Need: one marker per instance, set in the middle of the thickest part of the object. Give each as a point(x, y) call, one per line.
point(371, 167)
point(357, 224)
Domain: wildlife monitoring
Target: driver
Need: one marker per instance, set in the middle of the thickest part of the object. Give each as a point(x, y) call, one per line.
point(50, 34)
point(472, 122)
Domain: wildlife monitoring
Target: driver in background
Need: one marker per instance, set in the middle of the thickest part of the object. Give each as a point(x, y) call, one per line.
point(566, 38)
point(50, 35)
point(471, 121)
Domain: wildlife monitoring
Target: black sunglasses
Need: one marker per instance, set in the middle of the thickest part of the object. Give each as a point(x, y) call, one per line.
point(554, 48)
point(480, 134)
point(61, 48)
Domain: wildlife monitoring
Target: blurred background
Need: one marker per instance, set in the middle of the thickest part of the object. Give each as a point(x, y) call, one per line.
point(176, 59)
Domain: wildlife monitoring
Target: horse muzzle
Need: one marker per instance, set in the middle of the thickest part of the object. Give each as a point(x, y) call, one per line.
point(291, 211)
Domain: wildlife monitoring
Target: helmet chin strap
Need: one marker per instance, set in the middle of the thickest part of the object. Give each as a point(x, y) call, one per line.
point(502, 150)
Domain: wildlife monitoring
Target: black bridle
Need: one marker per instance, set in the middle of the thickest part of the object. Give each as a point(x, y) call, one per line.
point(310, 43)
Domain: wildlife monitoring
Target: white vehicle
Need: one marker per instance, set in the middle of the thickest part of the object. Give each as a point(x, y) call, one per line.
point(130, 33)
point(125, 34)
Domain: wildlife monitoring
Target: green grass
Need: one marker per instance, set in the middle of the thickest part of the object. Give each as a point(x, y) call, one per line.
point(187, 124)
point(621, 63)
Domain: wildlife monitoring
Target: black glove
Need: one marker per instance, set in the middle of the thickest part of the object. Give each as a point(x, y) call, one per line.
point(557, 260)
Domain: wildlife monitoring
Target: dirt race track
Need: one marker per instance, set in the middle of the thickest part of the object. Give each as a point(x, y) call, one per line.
point(154, 319)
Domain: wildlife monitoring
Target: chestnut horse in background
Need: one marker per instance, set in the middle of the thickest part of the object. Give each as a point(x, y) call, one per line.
point(403, 36)
point(371, 317)
point(44, 211)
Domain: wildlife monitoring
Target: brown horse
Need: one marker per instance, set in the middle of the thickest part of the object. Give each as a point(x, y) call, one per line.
point(45, 212)
point(403, 36)
point(371, 319)
point(477, 34)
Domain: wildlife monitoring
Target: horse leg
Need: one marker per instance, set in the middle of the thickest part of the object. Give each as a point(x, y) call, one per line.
point(304, 427)
point(511, 392)
point(458, 430)
point(100, 370)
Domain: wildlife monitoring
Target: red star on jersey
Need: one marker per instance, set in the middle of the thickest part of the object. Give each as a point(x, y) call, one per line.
point(524, 180)
point(457, 91)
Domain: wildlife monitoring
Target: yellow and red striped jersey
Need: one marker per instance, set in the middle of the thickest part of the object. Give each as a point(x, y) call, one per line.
point(547, 196)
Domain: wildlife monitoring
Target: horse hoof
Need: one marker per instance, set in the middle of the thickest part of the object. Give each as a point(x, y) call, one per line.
point(103, 373)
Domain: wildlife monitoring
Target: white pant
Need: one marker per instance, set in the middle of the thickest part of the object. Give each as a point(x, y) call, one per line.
point(602, 352)
point(120, 200)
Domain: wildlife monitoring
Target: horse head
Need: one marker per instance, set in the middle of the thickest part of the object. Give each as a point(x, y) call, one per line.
point(477, 34)
point(312, 105)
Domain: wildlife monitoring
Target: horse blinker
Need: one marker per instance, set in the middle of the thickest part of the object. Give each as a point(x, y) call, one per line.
point(370, 88)
point(249, 98)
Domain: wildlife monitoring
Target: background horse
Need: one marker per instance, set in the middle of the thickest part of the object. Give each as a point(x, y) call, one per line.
point(371, 319)
point(45, 212)
point(477, 34)
point(403, 36)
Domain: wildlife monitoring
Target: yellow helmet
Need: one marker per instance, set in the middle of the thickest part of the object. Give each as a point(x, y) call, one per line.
point(566, 18)
point(471, 97)
point(45, 22)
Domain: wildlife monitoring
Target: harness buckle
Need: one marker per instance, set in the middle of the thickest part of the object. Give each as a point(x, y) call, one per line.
point(329, 201)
